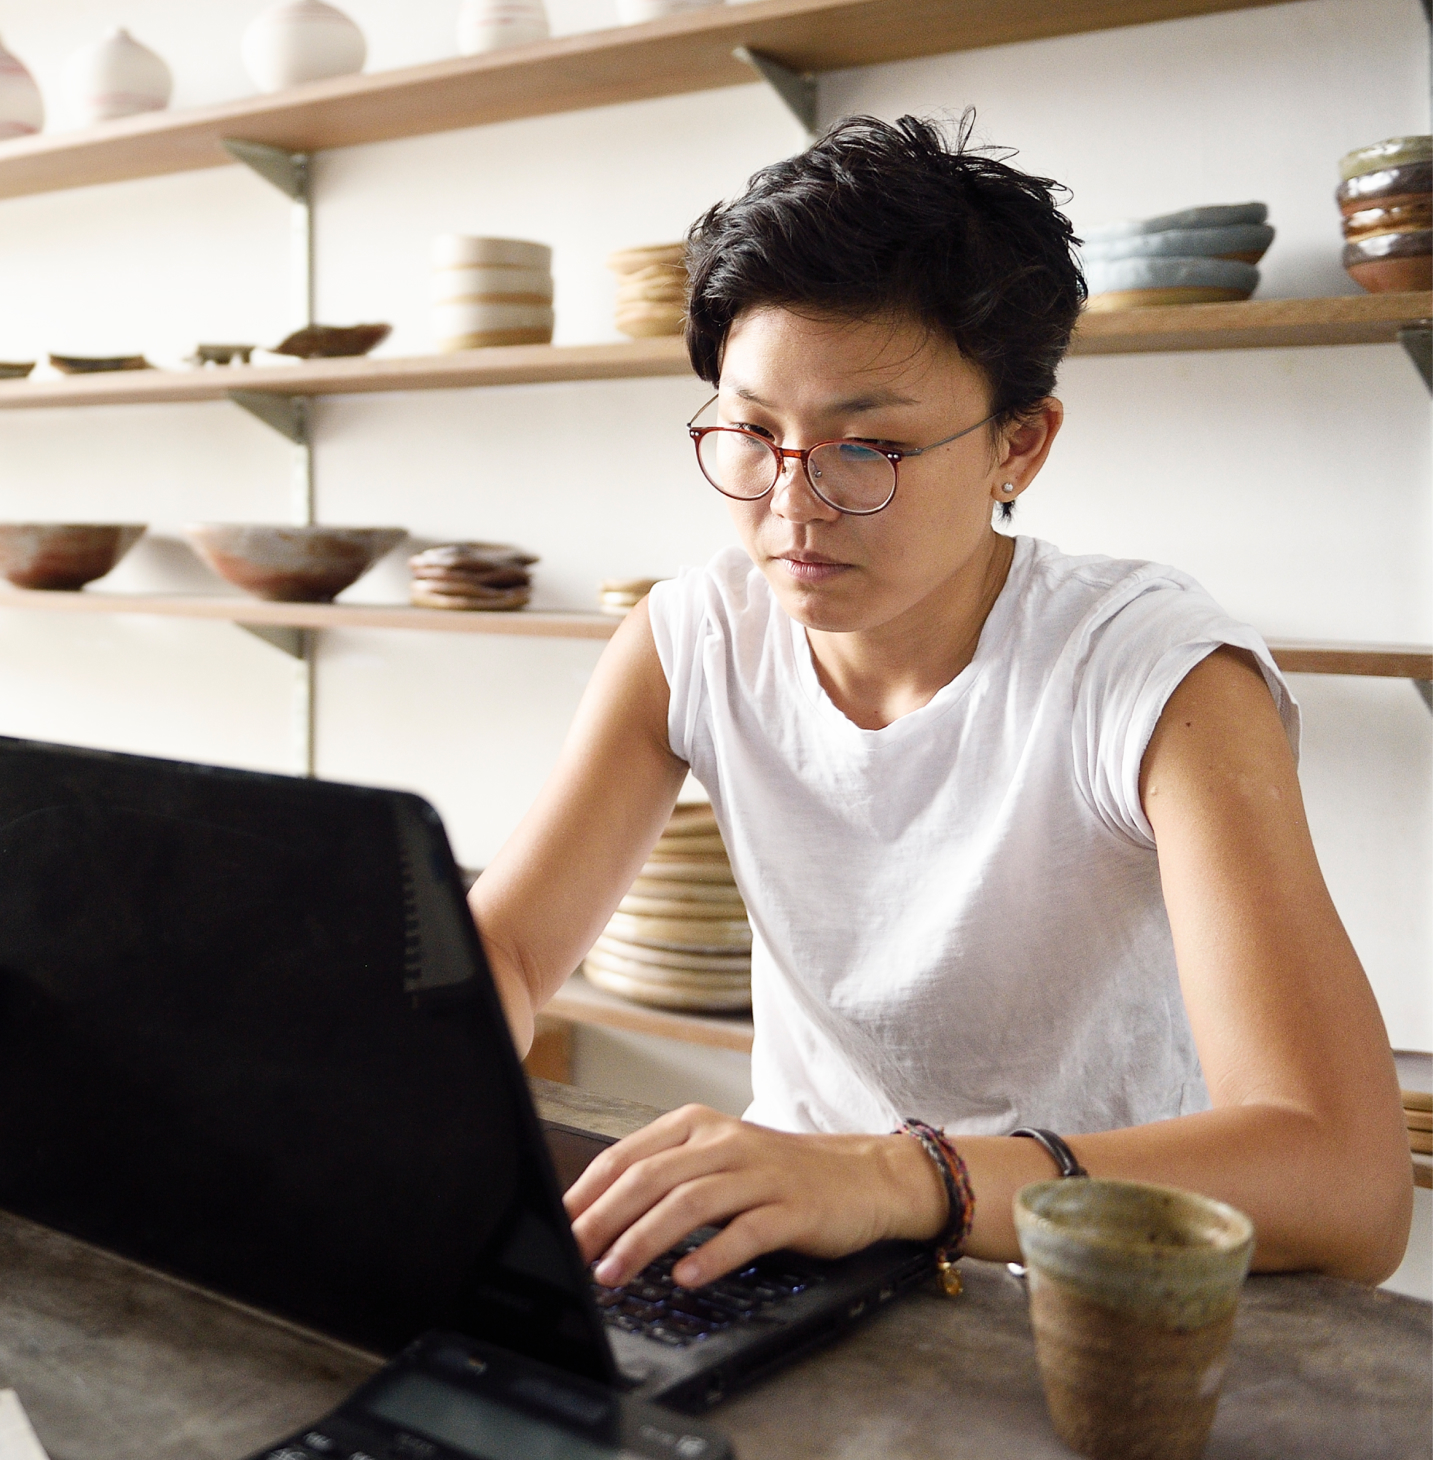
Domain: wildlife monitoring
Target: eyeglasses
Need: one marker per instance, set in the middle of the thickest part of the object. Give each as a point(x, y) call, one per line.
point(849, 476)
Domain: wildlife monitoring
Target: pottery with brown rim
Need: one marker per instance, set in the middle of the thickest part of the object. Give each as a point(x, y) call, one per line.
point(63, 556)
point(291, 564)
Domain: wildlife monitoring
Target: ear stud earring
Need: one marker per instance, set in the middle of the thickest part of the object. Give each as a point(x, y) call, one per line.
point(1008, 488)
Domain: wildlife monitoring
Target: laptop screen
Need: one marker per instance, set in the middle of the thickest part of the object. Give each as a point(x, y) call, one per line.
point(247, 1036)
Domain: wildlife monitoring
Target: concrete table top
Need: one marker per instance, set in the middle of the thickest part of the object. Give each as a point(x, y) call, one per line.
point(115, 1362)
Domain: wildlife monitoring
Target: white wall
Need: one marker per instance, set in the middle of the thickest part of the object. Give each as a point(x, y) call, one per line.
point(1293, 483)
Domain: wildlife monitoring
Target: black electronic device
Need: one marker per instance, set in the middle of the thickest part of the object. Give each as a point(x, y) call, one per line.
point(248, 1036)
point(447, 1397)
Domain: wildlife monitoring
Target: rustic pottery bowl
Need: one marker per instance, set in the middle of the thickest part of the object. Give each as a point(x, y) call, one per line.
point(1409, 182)
point(1391, 262)
point(1393, 152)
point(291, 564)
point(98, 364)
point(62, 555)
point(15, 369)
point(1412, 217)
point(330, 341)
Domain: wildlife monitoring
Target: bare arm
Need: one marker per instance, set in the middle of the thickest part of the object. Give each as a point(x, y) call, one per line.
point(548, 894)
point(1307, 1133)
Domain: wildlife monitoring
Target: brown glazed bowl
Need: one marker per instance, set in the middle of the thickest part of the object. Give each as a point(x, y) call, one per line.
point(291, 564)
point(1389, 263)
point(63, 556)
point(1413, 180)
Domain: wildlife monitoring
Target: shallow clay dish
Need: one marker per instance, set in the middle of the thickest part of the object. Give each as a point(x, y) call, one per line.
point(291, 564)
point(1412, 217)
point(97, 364)
point(63, 556)
point(1393, 152)
point(1389, 263)
point(330, 341)
point(1244, 241)
point(15, 369)
point(1414, 180)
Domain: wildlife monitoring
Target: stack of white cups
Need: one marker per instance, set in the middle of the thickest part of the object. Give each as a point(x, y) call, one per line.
point(490, 291)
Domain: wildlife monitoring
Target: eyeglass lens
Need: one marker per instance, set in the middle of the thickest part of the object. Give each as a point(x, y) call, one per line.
point(845, 474)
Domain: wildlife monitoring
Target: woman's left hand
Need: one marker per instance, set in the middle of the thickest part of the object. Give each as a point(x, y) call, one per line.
point(818, 1194)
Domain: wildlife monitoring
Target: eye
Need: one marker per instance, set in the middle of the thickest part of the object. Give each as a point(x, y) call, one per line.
point(752, 430)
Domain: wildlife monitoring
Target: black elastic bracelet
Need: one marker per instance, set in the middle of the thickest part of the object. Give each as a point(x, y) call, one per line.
point(1057, 1147)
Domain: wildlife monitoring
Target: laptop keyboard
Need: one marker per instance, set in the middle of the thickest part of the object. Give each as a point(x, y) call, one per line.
point(652, 1303)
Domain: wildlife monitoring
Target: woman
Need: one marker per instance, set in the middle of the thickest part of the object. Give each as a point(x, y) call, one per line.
point(1020, 834)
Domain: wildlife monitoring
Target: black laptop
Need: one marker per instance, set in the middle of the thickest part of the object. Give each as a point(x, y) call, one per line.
point(248, 1036)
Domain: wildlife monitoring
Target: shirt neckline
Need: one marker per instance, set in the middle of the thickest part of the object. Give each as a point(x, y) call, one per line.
point(993, 631)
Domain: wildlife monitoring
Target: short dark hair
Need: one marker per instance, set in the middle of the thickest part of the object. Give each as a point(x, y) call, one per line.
point(881, 219)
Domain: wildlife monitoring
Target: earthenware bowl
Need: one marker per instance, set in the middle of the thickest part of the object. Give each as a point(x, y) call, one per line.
point(330, 341)
point(63, 556)
point(1128, 283)
point(1393, 152)
point(96, 364)
point(15, 369)
point(1246, 242)
point(1412, 217)
point(1388, 263)
point(291, 564)
point(1411, 181)
point(1220, 215)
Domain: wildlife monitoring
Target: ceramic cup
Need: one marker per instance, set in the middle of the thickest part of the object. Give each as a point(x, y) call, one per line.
point(490, 25)
point(1133, 1291)
point(22, 111)
point(116, 77)
point(301, 40)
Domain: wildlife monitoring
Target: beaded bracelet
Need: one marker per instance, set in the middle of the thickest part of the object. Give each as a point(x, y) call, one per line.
point(960, 1195)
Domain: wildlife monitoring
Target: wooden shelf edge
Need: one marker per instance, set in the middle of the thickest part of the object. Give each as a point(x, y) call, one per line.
point(506, 365)
point(1383, 661)
point(537, 623)
point(686, 52)
point(1252, 324)
point(580, 1002)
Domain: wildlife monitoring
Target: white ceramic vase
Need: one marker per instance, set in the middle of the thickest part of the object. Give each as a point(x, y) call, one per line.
point(115, 77)
point(490, 25)
point(301, 40)
point(21, 109)
point(636, 12)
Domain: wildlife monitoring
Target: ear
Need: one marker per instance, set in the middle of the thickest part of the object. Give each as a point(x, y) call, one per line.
point(1022, 449)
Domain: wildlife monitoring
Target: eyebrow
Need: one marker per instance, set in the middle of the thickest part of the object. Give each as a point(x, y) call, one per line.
point(871, 401)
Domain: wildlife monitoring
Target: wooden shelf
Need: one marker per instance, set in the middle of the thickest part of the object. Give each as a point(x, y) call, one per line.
point(510, 365)
point(1252, 324)
point(1383, 661)
point(236, 610)
point(681, 53)
point(580, 1002)
point(1294, 656)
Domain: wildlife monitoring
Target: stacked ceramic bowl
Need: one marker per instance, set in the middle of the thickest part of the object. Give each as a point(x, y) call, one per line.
point(471, 575)
point(1199, 256)
point(1385, 197)
point(650, 295)
point(619, 595)
point(680, 939)
point(490, 291)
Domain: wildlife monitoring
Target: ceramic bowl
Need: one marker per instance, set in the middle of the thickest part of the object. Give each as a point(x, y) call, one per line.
point(1411, 217)
point(461, 250)
point(1393, 152)
point(492, 283)
point(331, 341)
point(1389, 263)
point(1411, 182)
point(1115, 283)
point(1246, 242)
point(291, 564)
point(63, 556)
point(96, 364)
point(15, 369)
point(1222, 215)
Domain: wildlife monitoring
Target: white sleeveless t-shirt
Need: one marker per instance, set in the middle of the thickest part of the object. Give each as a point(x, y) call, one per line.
point(958, 917)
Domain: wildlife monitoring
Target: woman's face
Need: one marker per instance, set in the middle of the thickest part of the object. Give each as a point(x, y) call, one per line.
point(798, 380)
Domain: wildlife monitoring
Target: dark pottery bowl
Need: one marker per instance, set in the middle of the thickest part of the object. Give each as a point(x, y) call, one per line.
point(15, 369)
point(95, 364)
point(328, 341)
point(1388, 184)
point(1393, 152)
point(291, 564)
point(1391, 263)
point(62, 556)
point(1412, 217)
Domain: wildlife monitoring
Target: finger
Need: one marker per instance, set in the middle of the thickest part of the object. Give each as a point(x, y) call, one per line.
point(700, 1203)
point(647, 1184)
point(669, 1130)
point(754, 1232)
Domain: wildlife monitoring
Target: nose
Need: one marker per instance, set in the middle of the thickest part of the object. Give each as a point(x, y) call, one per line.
point(794, 499)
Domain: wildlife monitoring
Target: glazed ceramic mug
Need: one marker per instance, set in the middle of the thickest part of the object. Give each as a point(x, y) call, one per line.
point(1133, 1291)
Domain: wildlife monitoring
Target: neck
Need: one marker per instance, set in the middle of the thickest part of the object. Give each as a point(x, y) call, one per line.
point(874, 676)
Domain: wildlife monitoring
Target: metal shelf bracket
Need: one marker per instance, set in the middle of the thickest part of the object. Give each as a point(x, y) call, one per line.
point(278, 636)
point(1418, 342)
point(1426, 687)
point(797, 89)
point(287, 414)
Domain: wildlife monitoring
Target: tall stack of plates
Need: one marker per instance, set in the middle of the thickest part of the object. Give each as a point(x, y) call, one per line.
point(490, 291)
point(1385, 199)
point(650, 290)
point(1199, 256)
point(680, 939)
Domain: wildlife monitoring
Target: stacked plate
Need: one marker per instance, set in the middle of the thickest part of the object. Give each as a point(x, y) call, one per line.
point(490, 291)
point(1199, 256)
point(680, 939)
point(1420, 1125)
point(650, 298)
point(619, 595)
point(1385, 199)
point(471, 575)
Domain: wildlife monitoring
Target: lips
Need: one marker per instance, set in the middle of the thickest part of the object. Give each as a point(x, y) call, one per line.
point(811, 567)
